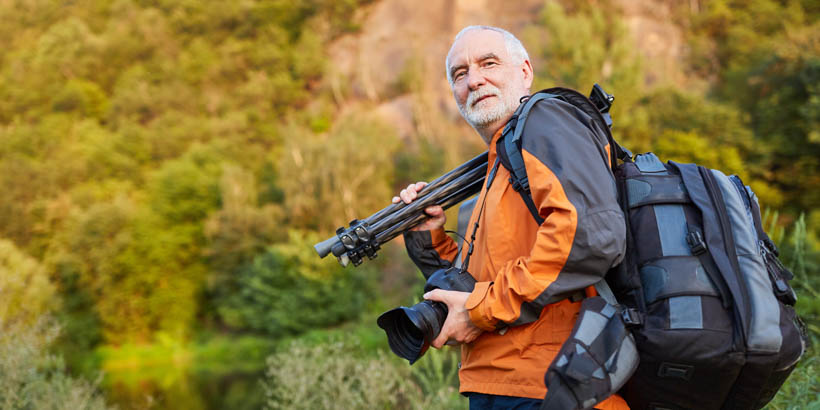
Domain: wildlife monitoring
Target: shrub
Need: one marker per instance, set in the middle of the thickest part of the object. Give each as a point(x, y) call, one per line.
point(338, 375)
point(30, 378)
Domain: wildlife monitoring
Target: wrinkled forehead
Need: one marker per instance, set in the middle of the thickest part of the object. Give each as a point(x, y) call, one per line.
point(474, 44)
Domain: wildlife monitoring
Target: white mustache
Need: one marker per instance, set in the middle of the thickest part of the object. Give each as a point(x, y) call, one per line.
point(481, 92)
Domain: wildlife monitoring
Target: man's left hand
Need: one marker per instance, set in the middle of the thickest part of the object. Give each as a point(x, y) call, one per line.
point(457, 326)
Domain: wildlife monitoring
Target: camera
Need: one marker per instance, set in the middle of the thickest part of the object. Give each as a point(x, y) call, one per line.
point(410, 330)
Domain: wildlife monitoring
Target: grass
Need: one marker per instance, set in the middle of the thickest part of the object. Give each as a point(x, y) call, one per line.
point(802, 389)
point(340, 374)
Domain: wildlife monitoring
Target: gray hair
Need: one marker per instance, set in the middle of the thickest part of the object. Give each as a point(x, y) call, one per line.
point(514, 46)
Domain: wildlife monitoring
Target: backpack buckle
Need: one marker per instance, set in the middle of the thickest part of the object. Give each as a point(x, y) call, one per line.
point(696, 243)
point(631, 317)
point(515, 184)
point(511, 123)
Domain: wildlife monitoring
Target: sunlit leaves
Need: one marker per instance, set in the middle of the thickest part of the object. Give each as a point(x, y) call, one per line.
point(578, 50)
point(330, 178)
point(26, 291)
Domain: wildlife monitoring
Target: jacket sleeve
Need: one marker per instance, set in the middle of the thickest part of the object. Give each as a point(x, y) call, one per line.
point(430, 250)
point(583, 233)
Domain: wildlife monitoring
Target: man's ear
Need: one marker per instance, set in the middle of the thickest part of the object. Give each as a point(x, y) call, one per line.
point(526, 68)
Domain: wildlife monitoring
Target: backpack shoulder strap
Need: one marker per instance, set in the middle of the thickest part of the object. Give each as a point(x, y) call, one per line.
point(512, 158)
point(509, 145)
point(605, 292)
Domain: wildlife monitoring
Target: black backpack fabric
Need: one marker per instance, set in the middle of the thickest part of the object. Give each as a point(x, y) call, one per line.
point(717, 326)
point(701, 288)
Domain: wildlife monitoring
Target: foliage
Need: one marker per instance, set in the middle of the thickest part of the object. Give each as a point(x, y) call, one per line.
point(143, 105)
point(802, 388)
point(802, 256)
point(31, 378)
point(764, 57)
point(588, 46)
point(781, 93)
point(577, 50)
point(331, 178)
point(437, 376)
point(349, 378)
point(214, 371)
point(241, 228)
point(167, 165)
point(686, 127)
point(140, 272)
point(345, 381)
point(24, 286)
point(279, 292)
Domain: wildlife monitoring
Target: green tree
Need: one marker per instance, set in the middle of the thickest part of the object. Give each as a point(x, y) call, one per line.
point(782, 94)
point(288, 290)
point(763, 57)
point(330, 178)
point(591, 45)
point(24, 284)
point(238, 232)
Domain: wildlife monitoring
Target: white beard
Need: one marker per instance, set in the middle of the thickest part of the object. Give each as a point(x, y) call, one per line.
point(484, 114)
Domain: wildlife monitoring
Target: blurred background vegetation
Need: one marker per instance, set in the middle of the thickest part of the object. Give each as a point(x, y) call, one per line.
point(166, 167)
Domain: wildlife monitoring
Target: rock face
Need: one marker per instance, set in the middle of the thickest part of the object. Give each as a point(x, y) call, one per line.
point(657, 37)
point(399, 38)
point(394, 31)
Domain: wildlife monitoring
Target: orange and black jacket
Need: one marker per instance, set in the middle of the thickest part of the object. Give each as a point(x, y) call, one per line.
point(526, 272)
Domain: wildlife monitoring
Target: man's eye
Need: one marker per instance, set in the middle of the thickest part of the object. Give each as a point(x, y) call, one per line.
point(458, 75)
point(489, 63)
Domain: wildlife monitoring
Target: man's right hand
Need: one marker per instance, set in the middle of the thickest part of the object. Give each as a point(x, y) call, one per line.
point(436, 217)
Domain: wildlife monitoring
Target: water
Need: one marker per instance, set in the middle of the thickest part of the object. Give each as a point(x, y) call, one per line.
point(172, 387)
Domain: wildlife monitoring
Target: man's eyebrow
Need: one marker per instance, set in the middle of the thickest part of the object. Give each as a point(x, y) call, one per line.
point(487, 56)
point(453, 69)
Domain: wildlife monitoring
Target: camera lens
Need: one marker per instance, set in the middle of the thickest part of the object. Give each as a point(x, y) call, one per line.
point(411, 329)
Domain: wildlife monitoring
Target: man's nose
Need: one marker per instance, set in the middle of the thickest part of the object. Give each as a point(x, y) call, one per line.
point(475, 80)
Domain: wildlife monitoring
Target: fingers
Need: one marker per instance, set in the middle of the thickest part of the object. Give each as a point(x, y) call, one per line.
point(436, 295)
point(434, 220)
point(435, 210)
point(457, 327)
point(410, 193)
point(443, 336)
point(435, 213)
point(472, 335)
point(441, 339)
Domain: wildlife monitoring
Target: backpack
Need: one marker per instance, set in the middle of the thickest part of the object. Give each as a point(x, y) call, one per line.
point(700, 287)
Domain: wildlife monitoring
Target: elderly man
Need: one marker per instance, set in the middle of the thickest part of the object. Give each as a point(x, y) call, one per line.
point(515, 320)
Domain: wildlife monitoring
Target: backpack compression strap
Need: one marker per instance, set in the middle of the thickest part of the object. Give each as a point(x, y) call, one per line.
point(512, 146)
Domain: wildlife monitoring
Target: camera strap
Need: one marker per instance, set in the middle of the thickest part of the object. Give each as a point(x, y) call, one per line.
point(490, 179)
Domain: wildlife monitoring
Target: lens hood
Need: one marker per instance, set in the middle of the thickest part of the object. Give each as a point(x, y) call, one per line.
point(410, 330)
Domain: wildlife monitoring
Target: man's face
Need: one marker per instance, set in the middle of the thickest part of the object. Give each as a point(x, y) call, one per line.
point(487, 84)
